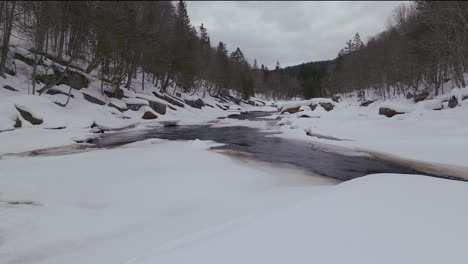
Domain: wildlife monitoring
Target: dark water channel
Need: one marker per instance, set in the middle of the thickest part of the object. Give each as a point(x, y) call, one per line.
point(261, 147)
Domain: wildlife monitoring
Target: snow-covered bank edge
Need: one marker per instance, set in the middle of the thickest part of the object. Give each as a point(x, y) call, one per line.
point(432, 139)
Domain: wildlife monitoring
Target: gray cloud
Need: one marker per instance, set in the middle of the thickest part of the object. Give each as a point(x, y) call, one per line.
point(290, 32)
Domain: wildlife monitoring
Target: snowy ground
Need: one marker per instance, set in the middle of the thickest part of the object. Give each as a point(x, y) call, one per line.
point(82, 208)
point(64, 125)
point(438, 138)
point(137, 204)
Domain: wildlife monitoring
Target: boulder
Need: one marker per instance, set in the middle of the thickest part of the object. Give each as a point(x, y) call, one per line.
point(453, 102)
point(421, 96)
point(119, 105)
point(149, 115)
point(93, 99)
point(327, 106)
point(29, 117)
point(465, 97)
point(169, 99)
point(135, 103)
point(54, 92)
point(388, 112)
point(235, 100)
point(221, 107)
point(195, 104)
point(178, 94)
point(17, 123)
point(336, 98)
point(366, 103)
point(409, 95)
point(8, 87)
point(10, 72)
point(71, 78)
point(313, 106)
point(160, 108)
point(291, 110)
point(24, 59)
point(260, 102)
point(117, 93)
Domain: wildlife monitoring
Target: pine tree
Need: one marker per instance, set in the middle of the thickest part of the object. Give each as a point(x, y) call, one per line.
point(357, 43)
point(183, 51)
point(255, 66)
point(204, 39)
point(278, 66)
point(237, 56)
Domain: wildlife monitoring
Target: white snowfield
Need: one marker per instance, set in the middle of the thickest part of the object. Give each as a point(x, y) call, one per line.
point(110, 206)
point(421, 134)
point(137, 204)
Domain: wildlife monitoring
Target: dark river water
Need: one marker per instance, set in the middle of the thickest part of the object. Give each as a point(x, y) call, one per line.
point(261, 147)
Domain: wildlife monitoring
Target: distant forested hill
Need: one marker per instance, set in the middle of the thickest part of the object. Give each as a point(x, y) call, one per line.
point(311, 76)
point(329, 64)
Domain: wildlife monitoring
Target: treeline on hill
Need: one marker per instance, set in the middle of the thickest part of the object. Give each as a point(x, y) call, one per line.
point(311, 77)
point(123, 38)
point(424, 46)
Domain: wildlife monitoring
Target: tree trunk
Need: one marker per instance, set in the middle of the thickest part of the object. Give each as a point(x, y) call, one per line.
point(34, 74)
point(61, 42)
point(102, 78)
point(143, 79)
point(6, 37)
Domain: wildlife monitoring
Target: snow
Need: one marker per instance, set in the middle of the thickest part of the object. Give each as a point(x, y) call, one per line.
point(136, 101)
point(22, 140)
point(382, 218)
point(120, 104)
point(110, 206)
point(136, 204)
point(421, 134)
point(159, 201)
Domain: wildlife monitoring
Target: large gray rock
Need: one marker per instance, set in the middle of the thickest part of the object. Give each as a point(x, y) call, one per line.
point(196, 103)
point(118, 107)
point(117, 93)
point(366, 103)
point(169, 99)
point(290, 110)
point(8, 87)
point(18, 123)
point(29, 117)
point(336, 98)
point(68, 77)
point(149, 115)
point(453, 102)
point(54, 92)
point(24, 59)
point(160, 108)
point(388, 112)
point(93, 99)
point(421, 96)
point(327, 106)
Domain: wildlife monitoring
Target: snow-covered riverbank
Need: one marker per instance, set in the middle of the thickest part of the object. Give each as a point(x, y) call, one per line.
point(433, 138)
point(137, 204)
point(109, 206)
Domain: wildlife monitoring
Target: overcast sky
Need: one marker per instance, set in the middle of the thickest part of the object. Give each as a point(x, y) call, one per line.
point(289, 32)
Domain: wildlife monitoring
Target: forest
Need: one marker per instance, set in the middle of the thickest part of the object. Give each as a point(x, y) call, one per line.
point(122, 39)
point(424, 46)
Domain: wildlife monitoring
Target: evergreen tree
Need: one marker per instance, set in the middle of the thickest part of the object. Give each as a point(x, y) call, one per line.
point(278, 66)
